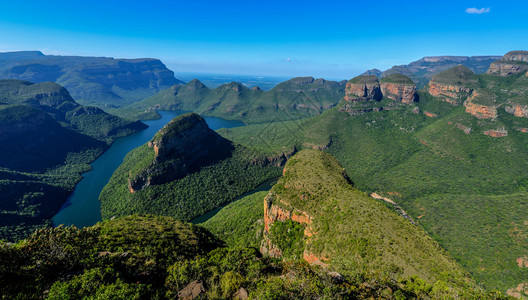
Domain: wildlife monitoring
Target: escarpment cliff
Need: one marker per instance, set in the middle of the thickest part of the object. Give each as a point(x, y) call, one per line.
point(363, 88)
point(181, 147)
point(482, 104)
point(364, 93)
point(513, 62)
point(399, 88)
point(453, 86)
point(100, 81)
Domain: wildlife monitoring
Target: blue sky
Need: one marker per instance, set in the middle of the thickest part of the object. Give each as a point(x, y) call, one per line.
point(331, 39)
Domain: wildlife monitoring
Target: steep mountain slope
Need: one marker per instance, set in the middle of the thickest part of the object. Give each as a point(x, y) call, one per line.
point(100, 81)
point(293, 99)
point(430, 155)
point(343, 227)
point(46, 141)
point(184, 171)
point(422, 70)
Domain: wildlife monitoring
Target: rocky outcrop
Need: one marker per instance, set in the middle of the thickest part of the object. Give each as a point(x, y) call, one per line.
point(449, 93)
point(277, 211)
point(513, 62)
point(454, 85)
point(422, 70)
point(430, 114)
point(517, 56)
point(363, 88)
point(405, 93)
point(497, 133)
point(504, 68)
point(277, 160)
point(517, 110)
point(194, 290)
point(363, 92)
point(479, 110)
point(182, 146)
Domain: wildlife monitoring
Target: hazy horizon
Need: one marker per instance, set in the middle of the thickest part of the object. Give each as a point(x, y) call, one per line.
point(333, 40)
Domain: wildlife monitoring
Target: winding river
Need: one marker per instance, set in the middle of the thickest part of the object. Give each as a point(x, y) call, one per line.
point(83, 208)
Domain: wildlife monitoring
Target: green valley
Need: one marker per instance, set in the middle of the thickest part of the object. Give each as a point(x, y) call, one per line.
point(47, 141)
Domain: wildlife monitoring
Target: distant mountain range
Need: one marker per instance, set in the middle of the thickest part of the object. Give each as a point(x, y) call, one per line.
point(296, 98)
point(101, 81)
point(422, 70)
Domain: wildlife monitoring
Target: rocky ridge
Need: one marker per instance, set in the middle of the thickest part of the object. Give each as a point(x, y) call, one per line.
point(513, 62)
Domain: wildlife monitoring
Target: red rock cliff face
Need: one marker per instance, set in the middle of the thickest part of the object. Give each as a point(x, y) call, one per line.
point(513, 62)
point(478, 110)
point(450, 93)
point(517, 110)
point(504, 68)
point(362, 91)
point(275, 213)
point(404, 93)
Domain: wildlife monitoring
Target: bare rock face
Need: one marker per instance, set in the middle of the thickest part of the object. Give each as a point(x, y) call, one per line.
point(517, 110)
point(497, 133)
point(275, 212)
point(502, 68)
point(363, 88)
point(485, 108)
point(399, 88)
point(399, 92)
point(521, 56)
point(194, 290)
point(182, 146)
point(453, 86)
point(513, 62)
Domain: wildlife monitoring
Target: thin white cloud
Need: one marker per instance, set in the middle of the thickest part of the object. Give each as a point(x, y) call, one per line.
point(478, 11)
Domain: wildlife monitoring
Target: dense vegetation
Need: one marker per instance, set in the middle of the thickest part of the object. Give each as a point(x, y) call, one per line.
point(354, 232)
point(46, 141)
point(293, 99)
point(152, 257)
point(218, 171)
point(420, 162)
point(239, 223)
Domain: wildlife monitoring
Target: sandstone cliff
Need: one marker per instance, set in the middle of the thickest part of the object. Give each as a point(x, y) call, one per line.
point(364, 93)
point(482, 104)
point(453, 86)
point(399, 88)
point(513, 62)
point(182, 146)
point(363, 88)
